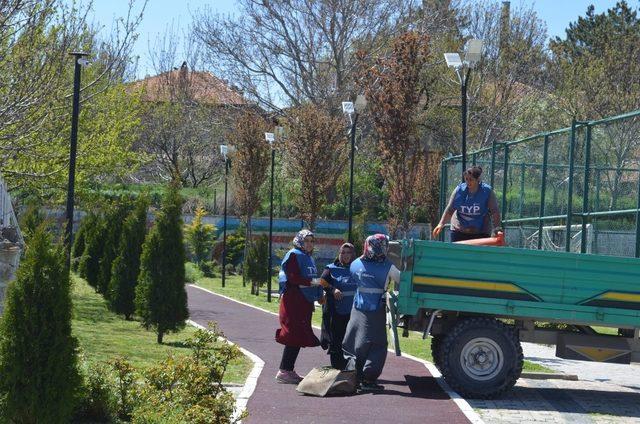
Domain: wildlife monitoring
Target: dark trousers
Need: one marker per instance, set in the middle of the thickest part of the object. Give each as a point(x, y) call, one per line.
point(459, 236)
point(338, 328)
point(289, 356)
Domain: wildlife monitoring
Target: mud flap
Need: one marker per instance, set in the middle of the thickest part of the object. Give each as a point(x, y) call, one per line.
point(392, 320)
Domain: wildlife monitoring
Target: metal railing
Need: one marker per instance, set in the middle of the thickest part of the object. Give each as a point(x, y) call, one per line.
point(587, 174)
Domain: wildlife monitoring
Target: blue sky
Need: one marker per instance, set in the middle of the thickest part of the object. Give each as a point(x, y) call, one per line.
point(160, 14)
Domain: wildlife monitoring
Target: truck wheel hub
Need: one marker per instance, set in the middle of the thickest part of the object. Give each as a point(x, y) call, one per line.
point(481, 358)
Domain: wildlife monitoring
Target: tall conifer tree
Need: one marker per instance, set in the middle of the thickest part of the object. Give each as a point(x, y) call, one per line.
point(126, 266)
point(161, 298)
point(38, 360)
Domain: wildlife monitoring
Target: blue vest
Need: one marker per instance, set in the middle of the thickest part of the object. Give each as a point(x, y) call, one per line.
point(370, 277)
point(342, 281)
point(471, 208)
point(307, 270)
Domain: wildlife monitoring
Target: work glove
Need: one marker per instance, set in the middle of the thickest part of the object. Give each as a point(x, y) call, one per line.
point(315, 282)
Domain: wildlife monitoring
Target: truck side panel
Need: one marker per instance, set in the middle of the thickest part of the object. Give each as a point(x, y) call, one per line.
point(579, 288)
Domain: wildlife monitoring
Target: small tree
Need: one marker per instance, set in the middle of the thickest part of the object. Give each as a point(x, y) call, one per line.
point(80, 240)
point(38, 361)
point(114, 220)
point(31, 219)
point(250, 162)
point(126, 266)
point(200, 238)
point(161, 298)
point(394, 89)
point(89, 266)
point(315, 150)
point(257, 262)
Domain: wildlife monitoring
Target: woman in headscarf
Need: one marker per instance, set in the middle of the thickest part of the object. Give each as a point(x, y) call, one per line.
point(299, 289)
point(365, 342)
point(340, 290)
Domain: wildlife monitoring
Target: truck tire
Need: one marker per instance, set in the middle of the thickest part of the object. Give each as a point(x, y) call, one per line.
point(436, 350)
point(481, 357)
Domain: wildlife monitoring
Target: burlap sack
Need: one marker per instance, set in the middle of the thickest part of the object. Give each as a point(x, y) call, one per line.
point(324, 381)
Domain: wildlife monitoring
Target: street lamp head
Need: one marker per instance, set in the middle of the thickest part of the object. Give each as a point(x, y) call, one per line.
point(270, 137)
point(472, 52)
point(361, 103)
point(453, 60)
point(348, 108)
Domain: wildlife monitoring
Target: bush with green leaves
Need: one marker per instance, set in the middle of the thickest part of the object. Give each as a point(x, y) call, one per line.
point(38, 354)
point(89, 265)
point(192, 273)
point(258, 261)
point(126, 267)
point(31, 219)
point(98, 398)
point(189, 389)
point(161, 297)
point(114, 220)
point(200, 237)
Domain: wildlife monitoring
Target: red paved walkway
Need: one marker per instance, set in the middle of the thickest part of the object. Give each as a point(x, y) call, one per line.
point(411, 394)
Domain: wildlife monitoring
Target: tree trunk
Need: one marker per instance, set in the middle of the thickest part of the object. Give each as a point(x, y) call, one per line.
point(160, 335)
point(247, 240)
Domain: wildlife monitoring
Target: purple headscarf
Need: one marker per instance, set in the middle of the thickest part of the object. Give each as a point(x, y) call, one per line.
point(298, 240)
point(375, 248)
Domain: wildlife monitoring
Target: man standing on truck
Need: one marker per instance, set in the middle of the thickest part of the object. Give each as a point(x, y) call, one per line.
point(469, 208)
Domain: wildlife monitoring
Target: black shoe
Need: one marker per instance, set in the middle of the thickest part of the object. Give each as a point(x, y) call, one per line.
point(369, 386)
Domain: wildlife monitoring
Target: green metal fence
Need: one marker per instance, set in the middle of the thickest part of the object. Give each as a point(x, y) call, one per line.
point(572, 189)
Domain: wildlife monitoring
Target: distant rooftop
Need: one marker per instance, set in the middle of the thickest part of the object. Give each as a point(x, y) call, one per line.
point(203, 87)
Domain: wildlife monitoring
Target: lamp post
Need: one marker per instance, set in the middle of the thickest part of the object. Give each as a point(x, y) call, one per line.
point(79, 62)
point(472, 55)
point(353, 110)
point(271, 138)
point(224, 150)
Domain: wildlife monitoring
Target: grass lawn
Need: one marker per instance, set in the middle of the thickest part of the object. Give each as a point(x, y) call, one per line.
point(413, 345)
point(103, 335)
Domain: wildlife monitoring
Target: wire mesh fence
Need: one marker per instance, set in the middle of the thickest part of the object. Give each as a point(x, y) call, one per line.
point(572, 189)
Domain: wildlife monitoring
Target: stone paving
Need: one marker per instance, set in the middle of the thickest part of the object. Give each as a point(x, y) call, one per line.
point(604, 393)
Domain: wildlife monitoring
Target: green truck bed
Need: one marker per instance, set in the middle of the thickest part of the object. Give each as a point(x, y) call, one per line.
point(507, 282)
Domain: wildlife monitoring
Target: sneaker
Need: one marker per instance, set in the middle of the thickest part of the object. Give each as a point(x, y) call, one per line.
point(288, 377)
point(370, 386)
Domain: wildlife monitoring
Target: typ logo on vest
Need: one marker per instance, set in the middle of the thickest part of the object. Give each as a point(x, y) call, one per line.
point(470, 210)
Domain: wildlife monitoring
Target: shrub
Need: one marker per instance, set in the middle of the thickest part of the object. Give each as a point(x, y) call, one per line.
point(98, 402)
point(258, 261)
point(38, 360)
point(79, 242)
point(189, 390)
point(31, 219)
point(208, 269)
point(192, 273)
point(161, 298)
point(114, 220)
point(89, 266)
point(126, 267)
point(200, 237)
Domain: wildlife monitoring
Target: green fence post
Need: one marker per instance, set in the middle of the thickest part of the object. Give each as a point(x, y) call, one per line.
point(638, 220)
point(504, 182)
point(585, 194)
point(572, 140)
point(493, 162)
point(522, 169)
point(543, 189)
point(474, 159)
point(597, 209)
